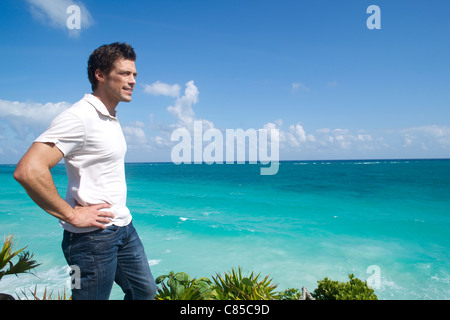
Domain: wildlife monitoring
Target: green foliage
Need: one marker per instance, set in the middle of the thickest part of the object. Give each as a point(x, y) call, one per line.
point(25, 261)
point(354, 289)
point(45, 296)
point(290, 294)
point(181, 287)
point(233, 286)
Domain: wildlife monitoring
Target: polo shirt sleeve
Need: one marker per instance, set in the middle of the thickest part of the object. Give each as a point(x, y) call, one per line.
point(67, 133)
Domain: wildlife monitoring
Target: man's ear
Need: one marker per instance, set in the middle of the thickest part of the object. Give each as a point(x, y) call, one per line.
point(100, 75)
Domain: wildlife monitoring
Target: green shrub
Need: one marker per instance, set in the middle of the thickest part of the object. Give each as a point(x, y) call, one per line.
point(354, 289)
point(181, 287)
point(290, 294)
point(233, 286)
point(25, 262)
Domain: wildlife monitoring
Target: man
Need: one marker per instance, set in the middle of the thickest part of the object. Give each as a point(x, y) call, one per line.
point(99, 237)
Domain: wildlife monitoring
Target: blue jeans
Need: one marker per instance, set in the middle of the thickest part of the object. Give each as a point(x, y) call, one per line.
point(102, 257)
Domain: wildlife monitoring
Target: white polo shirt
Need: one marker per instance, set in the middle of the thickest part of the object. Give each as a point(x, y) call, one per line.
point(94, 150)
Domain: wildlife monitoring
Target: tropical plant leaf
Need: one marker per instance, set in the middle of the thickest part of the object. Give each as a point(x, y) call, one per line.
point(233, 286)
point(8, 252)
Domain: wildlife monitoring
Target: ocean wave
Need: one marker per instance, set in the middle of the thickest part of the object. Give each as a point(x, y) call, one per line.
point(441, 279)
point(154, 262)
point(54, 280)
point(367, 162)
point(169, 238)
point(209, 212)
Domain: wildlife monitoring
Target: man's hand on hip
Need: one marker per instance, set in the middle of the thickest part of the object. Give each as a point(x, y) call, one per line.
point(91, 216)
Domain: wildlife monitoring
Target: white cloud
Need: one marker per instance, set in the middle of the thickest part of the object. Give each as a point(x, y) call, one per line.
point(134, 135)
point(345, 139)
point(427, 135)
point(438, 134)
point(296, 136)
point(29, 117)
point(295, 139)
point(54, 13)
point(364, 137)
point(182, 109)
point(160, 88)
point(159, 140)
point(297, 86)
point(23, 121)
point(407, 140)
point(332, 84)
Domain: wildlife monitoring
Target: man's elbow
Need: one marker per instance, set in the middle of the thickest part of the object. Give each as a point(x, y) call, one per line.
point(36, 161)
point(26, 171)
point(21, 173)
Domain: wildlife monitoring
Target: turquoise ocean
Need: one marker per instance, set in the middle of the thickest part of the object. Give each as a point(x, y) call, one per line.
point(385, 221)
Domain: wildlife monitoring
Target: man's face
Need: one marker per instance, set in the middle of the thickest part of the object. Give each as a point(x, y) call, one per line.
point(119, 83)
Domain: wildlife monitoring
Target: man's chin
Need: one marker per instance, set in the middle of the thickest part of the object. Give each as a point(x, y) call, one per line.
point(125, 99)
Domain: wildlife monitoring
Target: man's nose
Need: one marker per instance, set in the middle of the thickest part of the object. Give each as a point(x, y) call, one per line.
point(132, 80)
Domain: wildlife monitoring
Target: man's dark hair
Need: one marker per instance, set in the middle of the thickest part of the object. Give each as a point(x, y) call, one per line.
point(104, 57)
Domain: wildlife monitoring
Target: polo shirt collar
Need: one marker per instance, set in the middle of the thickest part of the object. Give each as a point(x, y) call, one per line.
point(98, 105)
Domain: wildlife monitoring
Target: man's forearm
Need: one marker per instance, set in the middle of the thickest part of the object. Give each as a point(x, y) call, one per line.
point(41, 188)
point(33, 173)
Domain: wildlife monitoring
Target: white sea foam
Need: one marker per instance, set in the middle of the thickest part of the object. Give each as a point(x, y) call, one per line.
point(207, 213)
point(441, 279)
point(54, 280)
point(154, 262)
point(168, 238)
point(367, 162)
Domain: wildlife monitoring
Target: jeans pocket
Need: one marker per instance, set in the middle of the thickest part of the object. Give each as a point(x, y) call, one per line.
point(66, 244)
point(104, 239)
point(75, 247)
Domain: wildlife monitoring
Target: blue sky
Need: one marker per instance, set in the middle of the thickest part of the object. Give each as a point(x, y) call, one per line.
point(334, 88)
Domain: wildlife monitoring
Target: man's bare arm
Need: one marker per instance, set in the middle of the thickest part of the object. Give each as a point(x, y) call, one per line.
point(33, 173)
